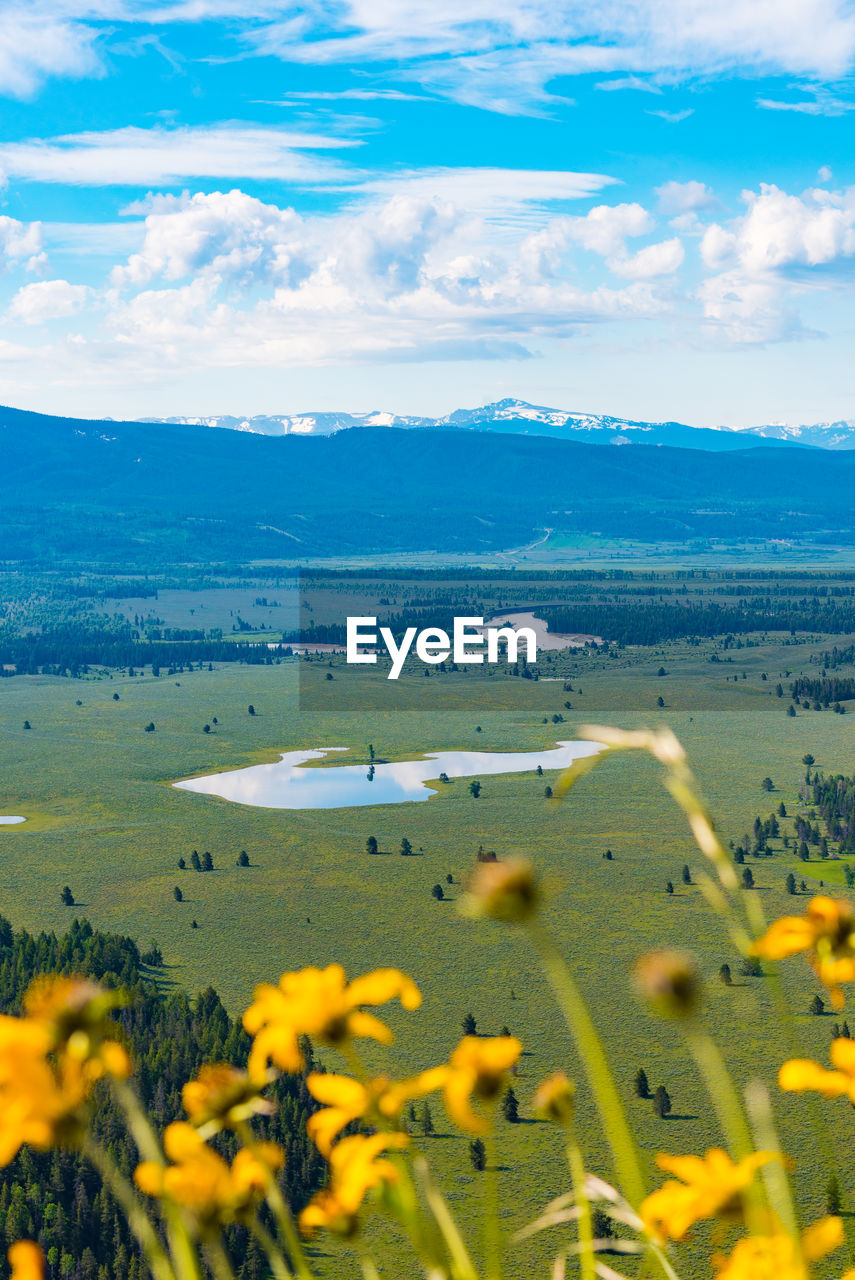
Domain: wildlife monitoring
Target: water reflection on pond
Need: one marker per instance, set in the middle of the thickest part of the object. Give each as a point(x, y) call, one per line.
point(288, 785)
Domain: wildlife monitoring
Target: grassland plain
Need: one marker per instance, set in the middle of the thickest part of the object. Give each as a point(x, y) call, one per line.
point(103, 818)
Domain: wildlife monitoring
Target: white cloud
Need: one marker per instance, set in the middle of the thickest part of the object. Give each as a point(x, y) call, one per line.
point(34, 47)
point(20, 241)
point(780, 247)
point(673, 117)
point(629, 82)
point(654, 260)
point(823, 103)
point(47, 300)
point(501, 54)
point(492, 193)
point(229, 234)
point(160, 156)
point(684, 197)
point(781, 231)
point(605, 228)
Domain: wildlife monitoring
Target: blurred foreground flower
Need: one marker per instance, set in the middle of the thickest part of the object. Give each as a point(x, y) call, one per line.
point(50, 1060)
point(775, 1256)
point(711, 1186)
point(502, 891)
point(356, 1167)
point(668, 982)
point(26, 1261)
point(826, 932)
point(201, 1181)
point(322, 1004)
point(346, 1100)
point(477, 1069)
point(221, 1097)
point(800, 1075)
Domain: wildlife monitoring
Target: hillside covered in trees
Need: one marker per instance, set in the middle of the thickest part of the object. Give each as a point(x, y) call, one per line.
point(57, 1197)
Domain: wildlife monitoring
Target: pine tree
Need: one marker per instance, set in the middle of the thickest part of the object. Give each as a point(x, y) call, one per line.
point(511, 1107)
point(478, 1155)
point(669, 888)
point(641, 1083)
point(725, 975)
point(662, 1102)
point(469, 1025)
point(833, 1196)
point(195, 860)
point(791, 883)
point(67, 897)
point(207, 862)
point(177, 894)
point(817, 1005)
point(426, 1122)
point(687, 876)
point(243, 858)
point(371, 845)
point(406, 847)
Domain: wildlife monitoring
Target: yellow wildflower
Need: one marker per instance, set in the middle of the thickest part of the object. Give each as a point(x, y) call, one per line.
point(26, 1261)
point(800, 1075)
point(322, 1004)
point(775, 1257)
point(477, 1068)
point(355, 1169)
point(710, 1186)
point(347, 1100)
point(222, 1096)
point(40, 1094)
point(75, 1011)
point(827, 932)
point(201, 1181)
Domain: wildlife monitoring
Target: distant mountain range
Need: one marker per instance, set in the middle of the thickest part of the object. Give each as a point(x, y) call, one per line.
point(517, 417)
point(144, 494)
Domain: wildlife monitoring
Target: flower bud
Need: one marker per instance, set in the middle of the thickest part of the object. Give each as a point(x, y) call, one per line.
point(668, 982)
point(555, 1099)
point(503, 891)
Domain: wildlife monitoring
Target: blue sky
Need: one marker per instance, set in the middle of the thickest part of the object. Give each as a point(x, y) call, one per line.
point(641, 207)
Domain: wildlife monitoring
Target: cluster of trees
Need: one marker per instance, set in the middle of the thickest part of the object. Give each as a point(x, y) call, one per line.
point(660, 1096)
point(56, 1197)
point(833, 796)
point(205, 862)
point(71, 650)
point(824, 691)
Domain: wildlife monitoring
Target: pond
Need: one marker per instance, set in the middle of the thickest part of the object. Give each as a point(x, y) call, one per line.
point(10, 820)
point(287, 784)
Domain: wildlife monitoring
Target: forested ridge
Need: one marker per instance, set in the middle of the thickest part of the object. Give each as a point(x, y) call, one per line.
point(56, 1197)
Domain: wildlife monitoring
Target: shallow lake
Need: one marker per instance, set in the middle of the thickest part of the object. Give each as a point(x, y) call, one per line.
point(10, 820)
point(287, 784)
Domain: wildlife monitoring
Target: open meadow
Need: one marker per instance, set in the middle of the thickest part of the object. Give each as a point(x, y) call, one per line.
point(103, 819)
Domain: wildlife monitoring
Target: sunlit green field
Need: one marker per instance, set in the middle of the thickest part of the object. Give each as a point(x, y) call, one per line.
point(103, 818)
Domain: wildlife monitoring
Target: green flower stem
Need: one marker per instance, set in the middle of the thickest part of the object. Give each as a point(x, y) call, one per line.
point(280, 1210)
point(218, 1259)
point(722, 1091)
point(181, 1243)
point(492, 1227)
point(461, 1263)
point(138, 1221)
point(271, 1250)
point(595, 1063)
point(586, 1233)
